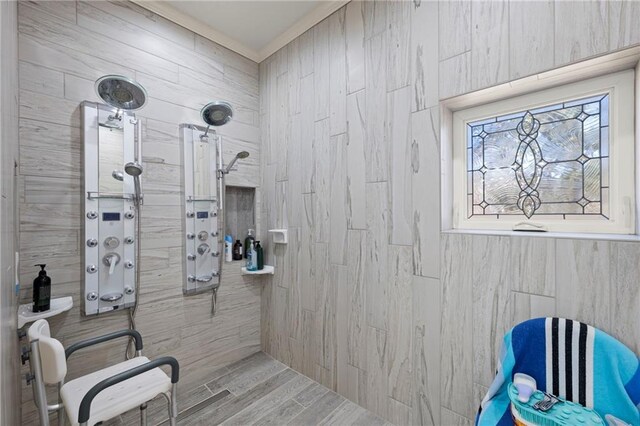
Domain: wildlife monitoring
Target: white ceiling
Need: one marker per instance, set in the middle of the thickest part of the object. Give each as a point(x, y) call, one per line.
point(253, 28)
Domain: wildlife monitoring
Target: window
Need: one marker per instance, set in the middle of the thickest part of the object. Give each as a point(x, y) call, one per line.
point(562, 158)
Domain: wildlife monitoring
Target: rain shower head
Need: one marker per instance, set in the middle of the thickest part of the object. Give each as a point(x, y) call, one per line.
point(216, 113)
point(133, 169)
point(121, 92)
point(240, 155)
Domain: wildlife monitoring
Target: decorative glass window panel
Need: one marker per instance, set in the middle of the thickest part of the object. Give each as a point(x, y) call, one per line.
point(551, 160)
point(563, 158)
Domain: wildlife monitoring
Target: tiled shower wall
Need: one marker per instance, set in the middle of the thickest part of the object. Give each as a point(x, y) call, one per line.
point(369, 297)
point(63, 47)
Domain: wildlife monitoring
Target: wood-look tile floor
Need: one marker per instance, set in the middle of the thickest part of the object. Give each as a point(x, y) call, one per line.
point(257, 390)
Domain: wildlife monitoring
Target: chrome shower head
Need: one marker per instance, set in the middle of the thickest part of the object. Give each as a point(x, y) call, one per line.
point(217, 113)
point(240, 155)
point(121, 92)
point(133, 169)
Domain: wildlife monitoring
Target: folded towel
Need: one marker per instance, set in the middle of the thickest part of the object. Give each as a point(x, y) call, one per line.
point(571, 360)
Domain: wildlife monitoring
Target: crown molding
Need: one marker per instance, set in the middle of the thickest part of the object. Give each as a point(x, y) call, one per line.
point(167, 11)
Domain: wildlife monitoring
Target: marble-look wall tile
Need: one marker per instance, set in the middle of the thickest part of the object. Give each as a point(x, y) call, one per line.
point(337, 73)
point(356, 293)
point(323, 171)
point(625, 293)
point(354, 37)
point(426, 351)
point(580, 30)
point(306, 265)
point(356, 170)
point(326, 314)
point(309, 344)
point(399, 353)
point(455, 75)
point(294, 75)
point(583, 290)
point(295, 286)
point(456, 368)
point(527, 306)
point(41, 80)
point(399, 44)
point(424, 55)
point(623, 28)
point(534, 265)
point(338, 201)
point(531, 37)
point(454, 28)
point(376, 272)
point(425, 165)
point(321, 69)
point(282, 127)
point(376, 149)
point(491, 303)
point(398, 136)
point(490, 35)
point(375, 18)
point(307, 134)
point(450, 418)
point(294, 172)
point(377, 367)
point(306, 53)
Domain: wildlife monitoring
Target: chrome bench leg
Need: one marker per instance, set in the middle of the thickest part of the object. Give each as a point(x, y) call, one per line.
point(143, 414)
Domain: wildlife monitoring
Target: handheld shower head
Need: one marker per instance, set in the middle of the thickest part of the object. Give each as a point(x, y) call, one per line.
point(134, 169)
point(240, 155)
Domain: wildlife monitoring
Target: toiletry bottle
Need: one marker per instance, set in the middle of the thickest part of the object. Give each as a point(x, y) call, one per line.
point(253, 264)
point(249, 259)
point(247, 242)
point(41, 291)
point(259, 256)
point(237, 250)
point(228, 242)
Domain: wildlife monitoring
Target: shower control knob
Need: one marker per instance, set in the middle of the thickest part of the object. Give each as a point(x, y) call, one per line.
point(128, 264)
point(190, 214)
point(128, 290)
point(191, 278)
point(92, 269)
point(190, 235)
point(203, 235)
point(92, 242)
point(92, 215)
point(214, 234)
point(214, 214)
point(129, 240)
point(191, 256)
point(111, 242)
point(214, 273)
point(215, 253)
point(129, 215)
point(92, 296)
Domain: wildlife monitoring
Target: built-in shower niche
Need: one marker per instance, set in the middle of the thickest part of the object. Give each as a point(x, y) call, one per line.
point(241, 212)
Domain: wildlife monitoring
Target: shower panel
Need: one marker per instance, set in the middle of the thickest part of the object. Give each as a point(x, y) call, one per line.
point(111, 141)
point(200, 200)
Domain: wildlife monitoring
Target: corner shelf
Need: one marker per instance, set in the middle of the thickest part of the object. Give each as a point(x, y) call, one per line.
point(58, 306)
point(268, 270)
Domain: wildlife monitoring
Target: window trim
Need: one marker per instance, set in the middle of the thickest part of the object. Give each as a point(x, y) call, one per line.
point(626, 59)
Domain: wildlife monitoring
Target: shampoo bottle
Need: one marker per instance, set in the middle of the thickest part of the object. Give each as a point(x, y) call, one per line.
point(41, 291)
point(259, 256)
point(253, 261)
point(247, 243)
point(237, 250)
point(228, 241)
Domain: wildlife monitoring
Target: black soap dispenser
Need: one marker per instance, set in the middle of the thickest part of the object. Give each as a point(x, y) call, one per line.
point(41, 291)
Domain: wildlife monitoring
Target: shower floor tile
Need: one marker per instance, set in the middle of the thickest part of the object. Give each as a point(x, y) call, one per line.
point(257, 390)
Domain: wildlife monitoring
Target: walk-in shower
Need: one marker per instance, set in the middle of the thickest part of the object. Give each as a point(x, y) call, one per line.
point(203, 196)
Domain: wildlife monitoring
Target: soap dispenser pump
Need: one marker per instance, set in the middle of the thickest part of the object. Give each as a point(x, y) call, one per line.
point(41, 290)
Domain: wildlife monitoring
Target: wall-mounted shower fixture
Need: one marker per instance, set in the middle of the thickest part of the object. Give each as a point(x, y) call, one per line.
point(112, 154)
point(203, 167)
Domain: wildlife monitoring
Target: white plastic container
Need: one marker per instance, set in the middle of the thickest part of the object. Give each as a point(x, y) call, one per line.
point(228, 247)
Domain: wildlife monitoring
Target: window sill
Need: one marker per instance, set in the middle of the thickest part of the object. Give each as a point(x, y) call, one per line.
point(563, 235)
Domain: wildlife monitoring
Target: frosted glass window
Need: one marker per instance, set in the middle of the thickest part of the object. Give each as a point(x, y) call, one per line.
point(551, 160)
